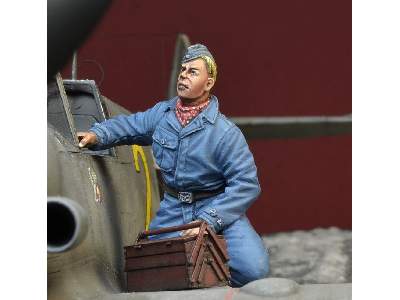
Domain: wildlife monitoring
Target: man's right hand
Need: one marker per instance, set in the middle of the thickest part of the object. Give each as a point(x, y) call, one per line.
point(86, 139)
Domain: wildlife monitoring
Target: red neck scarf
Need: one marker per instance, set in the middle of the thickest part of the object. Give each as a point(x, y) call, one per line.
point(186, 113)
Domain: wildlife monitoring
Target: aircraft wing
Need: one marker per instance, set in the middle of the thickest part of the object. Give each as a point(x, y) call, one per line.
point(293, 127)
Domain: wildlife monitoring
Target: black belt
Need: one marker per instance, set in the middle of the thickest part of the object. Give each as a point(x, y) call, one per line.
point(189, 197)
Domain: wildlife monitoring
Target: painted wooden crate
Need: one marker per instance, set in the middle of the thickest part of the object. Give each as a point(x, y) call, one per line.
point(196, 261)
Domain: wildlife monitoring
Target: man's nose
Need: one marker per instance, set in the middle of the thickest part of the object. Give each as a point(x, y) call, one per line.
point(183, 74)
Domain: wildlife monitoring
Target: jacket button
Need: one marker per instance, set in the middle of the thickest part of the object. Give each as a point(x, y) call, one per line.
point(219, 222)
point(162, 141)
point(213, 212)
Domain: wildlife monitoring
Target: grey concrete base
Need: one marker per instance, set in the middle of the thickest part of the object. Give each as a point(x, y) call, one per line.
point(281, 288)
point(269, 288)
point(314, 256)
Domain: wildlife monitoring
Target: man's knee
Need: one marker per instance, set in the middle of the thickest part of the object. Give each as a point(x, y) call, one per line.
point(261, 271)
point(258, 269)
point(249, 257)
point(253, 269)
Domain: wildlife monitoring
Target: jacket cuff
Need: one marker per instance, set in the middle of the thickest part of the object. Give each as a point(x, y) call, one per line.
point(213, 220)
point(99, 135)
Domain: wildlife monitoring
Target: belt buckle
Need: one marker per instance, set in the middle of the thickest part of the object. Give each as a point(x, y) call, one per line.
point(186, 197)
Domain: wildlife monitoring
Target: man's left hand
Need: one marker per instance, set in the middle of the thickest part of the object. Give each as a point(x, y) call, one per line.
point(191, 231)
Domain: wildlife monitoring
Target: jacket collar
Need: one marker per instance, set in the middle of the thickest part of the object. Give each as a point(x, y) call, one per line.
point(171, 118)
point(210, 112)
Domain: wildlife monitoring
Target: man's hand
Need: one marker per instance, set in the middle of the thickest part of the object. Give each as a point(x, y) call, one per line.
point(191, 231)
point(86, 139)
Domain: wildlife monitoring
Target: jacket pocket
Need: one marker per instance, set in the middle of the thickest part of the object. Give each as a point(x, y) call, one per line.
point(165, 149)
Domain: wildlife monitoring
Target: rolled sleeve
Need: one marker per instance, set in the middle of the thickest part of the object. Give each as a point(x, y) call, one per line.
point(242, 186)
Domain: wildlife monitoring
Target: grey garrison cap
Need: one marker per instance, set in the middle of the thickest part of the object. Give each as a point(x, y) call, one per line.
point(196, 51)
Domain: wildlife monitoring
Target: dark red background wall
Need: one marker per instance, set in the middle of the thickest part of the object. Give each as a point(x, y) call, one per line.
point(275, 58)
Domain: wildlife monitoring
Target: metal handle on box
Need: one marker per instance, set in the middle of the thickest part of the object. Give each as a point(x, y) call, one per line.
point(168, 229)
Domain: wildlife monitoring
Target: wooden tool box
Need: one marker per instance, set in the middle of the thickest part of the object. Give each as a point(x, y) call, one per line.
point(188, 262)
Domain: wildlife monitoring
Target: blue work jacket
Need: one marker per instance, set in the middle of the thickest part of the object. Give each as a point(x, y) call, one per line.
point(206, 154)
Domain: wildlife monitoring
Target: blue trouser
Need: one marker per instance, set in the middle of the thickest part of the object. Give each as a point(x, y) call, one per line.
point(248, 257)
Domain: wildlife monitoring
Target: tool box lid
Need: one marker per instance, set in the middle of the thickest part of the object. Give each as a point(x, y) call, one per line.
point(155, 247)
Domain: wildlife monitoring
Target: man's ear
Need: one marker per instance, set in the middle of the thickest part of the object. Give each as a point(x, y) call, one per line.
point(210, 83)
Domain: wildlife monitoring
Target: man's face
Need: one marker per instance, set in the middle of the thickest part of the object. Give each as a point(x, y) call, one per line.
point(193, 80)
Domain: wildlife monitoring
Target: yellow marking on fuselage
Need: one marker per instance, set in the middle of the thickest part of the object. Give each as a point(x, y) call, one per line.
point(139, 150)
